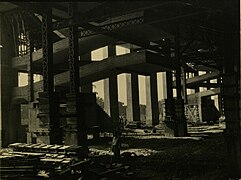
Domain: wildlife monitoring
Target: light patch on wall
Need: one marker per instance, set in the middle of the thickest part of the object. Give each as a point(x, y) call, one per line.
point(22, 79)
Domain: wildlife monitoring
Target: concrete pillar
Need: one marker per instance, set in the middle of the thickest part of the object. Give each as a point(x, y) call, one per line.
point(170, 110)
point(10, 119)
point(132, 92)
point(180, 120)
point(231, 95)
point(197, 87)
point(169, 123)
point(152, 110)
point(111, 105)
point(86, 88)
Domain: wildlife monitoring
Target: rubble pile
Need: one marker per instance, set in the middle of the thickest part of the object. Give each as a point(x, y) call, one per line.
point(37, 161)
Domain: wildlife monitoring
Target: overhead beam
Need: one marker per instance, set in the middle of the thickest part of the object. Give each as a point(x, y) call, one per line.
point(194, 99)
point(100, 70)
point(199, 79)
point(113, 9)
point(60, 50)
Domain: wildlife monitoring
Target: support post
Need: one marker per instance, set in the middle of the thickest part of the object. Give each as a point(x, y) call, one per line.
point(169, 124)
point(10, 121)
point(49, 132)
point(231, 95)
point(30, 68)
point(84, 59)
point(152, 110)
point(76, 127)
point(132, 92)
point(111, 104)
point(180, 119)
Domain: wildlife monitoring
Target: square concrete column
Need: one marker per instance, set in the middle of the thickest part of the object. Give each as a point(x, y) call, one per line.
point(180, 119)
point(169, 123)
point(132, 92)
point(85, 59)
point(152, 111)
point(10, 119)
point(111, 105)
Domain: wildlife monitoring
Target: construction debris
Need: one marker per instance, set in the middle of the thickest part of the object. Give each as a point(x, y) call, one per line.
point(31, 161)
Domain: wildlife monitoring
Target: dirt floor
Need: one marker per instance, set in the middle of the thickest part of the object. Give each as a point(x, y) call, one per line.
point(147, 155)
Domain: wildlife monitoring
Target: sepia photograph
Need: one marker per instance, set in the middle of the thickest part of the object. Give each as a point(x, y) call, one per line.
point(120, 90)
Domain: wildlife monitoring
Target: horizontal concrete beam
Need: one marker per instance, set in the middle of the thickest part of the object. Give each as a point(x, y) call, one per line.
point(194, 86)
point(102, 69)
point(60, 50)
point(200, 79)
point(195, 99)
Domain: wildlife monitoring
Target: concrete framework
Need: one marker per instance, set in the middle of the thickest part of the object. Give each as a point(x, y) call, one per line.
point(147, 32)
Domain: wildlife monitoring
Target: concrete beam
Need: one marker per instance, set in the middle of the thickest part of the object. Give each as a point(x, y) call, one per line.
point(199, 79)
point(103, 69)
point(194, 99)
point(60, 50)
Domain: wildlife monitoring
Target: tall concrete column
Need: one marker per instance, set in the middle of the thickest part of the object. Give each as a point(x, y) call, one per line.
point(132, 92)
point(152, 111)
point(10, 119)
point(180, 119)
point(111, 105)
point(231, 95)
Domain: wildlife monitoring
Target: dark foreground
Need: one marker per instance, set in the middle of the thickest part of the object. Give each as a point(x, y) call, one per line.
point(147, 155)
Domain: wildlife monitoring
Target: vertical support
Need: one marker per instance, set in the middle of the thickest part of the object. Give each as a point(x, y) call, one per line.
point(169, 125)
point(48, 100)
point(220, 96)
point(10, 121)
point(86, 88)
point(152, 110)
point(179, 106)
point(183, 83)
point(30, 68)
point(231, 95)
point(111, 100)
point(47, 45)
point(196, 88)
point(75, 104)
point(170, 110)
point(132, 92)
point(111, 92)
point(133, 106)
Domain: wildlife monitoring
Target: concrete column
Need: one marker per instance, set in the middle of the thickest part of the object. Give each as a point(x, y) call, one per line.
point(111, 105)
point(10, 119)
point(180, 120)
point(170, 110)
point(85, 59)
point(152, 111)
point(231, 95)
point(197, 88)
point(132, 92)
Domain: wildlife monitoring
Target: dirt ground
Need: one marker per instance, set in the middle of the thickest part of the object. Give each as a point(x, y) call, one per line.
point(146, 155)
